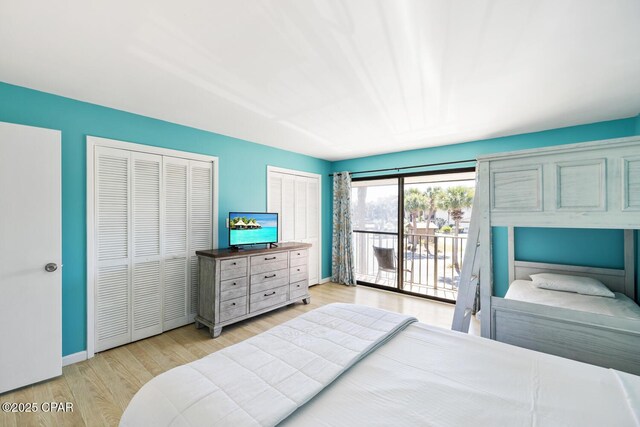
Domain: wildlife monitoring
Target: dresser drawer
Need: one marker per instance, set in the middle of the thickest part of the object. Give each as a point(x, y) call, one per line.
point(297, 258)
point(233, 268)
point(269, 258)
point(270, 266)
point(233, 308)
point(227, 285)
point(299, 290)
point(259, 287)
point(270, 276)
point(235, 292)
point(301, 253)
point(264, 299)
point(298, 273)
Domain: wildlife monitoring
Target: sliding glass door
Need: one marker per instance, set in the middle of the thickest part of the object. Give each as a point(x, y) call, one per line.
point(375, 231)
point(410, 231)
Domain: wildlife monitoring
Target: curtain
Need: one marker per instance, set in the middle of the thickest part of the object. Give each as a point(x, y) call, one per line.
point(342, 250)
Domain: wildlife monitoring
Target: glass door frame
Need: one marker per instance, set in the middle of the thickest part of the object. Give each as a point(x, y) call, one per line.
point(399, 288)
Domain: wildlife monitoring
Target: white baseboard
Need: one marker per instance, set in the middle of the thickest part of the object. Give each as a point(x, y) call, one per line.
point(74, 358)
point(325, 280)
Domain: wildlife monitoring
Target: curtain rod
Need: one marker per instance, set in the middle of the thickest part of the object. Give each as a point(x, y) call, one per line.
point(409, 167)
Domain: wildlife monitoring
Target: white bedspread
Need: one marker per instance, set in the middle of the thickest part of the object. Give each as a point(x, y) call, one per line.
point(620, 306)
point(262, 380)
point(427, 376)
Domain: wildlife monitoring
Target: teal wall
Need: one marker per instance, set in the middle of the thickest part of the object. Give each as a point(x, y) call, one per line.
point(77, 119)
point(596, 247)
point(471, 150)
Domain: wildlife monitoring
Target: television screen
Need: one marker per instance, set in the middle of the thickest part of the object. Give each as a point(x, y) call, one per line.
point(248, 228)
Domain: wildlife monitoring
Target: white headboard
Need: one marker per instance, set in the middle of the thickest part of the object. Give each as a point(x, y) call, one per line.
point(618, 280)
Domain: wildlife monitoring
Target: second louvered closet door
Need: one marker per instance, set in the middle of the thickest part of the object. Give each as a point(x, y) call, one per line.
point(152, 213)
point(200, 224)
point(176, 219)
point(146, 283)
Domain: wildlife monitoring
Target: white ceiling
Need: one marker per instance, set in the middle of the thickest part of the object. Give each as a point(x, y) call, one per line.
point(335, 79)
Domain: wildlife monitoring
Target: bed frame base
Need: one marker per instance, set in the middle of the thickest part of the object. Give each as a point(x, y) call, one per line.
point(607, 341)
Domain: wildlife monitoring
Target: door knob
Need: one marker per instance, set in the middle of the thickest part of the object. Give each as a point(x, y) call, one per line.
point(51, 267)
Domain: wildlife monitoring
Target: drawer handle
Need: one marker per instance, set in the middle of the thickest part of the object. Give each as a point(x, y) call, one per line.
point(270, 258)
point(297, 286)
point(268, 295)
point(233, 263)
point(298, 270)
point(298, 253)
point(233, 303)
point(233, 284)
point(269, 277)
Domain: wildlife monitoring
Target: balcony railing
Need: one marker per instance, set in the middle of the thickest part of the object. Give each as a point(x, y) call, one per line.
point(431, 266)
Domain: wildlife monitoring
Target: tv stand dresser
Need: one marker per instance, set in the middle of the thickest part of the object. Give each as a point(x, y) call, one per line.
point(238, 284)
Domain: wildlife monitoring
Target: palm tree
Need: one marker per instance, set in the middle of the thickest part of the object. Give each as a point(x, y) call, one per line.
point(433, 195)
point(455, 200)
point(415, 201)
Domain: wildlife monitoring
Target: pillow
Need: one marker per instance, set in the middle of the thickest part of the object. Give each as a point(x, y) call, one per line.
point(579, 284)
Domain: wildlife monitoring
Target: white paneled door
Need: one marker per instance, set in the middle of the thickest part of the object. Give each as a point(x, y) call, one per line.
point(295, 196)
point(152, 212)
point(30, 256)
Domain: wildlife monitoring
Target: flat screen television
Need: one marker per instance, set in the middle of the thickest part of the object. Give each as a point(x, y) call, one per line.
point(252, 228)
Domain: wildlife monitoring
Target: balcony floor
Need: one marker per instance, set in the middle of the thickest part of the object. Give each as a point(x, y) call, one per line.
point(443, 291)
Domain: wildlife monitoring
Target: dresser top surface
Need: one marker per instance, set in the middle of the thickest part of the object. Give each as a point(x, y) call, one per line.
point(229, 253)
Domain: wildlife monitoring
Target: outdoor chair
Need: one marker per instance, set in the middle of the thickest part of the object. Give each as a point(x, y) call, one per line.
point(387, 260)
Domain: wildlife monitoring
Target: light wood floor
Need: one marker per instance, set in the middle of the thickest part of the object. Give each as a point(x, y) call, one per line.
point(100, 388)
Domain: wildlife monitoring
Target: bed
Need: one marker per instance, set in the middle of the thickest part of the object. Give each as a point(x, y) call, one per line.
point(590, 185)
point(597, 330)
point(349, 365)
point(620, 306)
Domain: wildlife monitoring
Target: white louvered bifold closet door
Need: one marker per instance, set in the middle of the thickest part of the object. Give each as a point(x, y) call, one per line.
point(200, 224)
point(175, 238)
point(296, 200)
point(152, 213)
point(112, 248)
point(146, 283)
